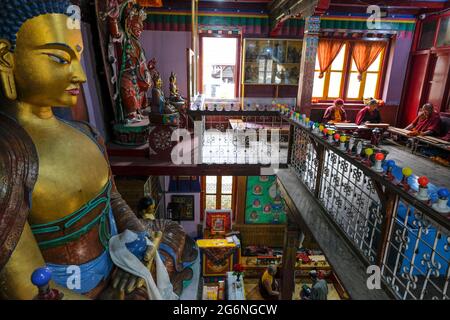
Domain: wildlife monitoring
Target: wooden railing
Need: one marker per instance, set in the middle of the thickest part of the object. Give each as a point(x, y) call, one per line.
point(385, 223)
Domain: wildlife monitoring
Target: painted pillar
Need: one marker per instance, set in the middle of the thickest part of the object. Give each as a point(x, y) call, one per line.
point(308, 61)
point(292, 238)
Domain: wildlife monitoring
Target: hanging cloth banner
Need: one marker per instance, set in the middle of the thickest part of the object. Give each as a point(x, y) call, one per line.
point(364, 53)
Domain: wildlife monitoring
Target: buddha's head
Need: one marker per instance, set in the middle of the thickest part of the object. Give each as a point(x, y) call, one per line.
point(40, 52)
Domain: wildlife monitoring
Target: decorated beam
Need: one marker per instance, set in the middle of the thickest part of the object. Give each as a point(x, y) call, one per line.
point(283, 10)
point(257, 24)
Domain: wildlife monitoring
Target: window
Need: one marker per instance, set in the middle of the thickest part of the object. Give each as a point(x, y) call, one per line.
point(219, 67)
point(427, 34)
point(330, 85)
point(343, 71)
point(368, 86)
point(444, 32)
point(218, 191)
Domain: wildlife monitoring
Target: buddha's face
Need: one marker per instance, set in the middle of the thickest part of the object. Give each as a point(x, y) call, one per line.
point(47, 57)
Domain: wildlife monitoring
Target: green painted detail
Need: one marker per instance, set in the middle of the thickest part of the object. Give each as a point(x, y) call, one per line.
point(265, 22)
point(71, 222)
point(362, 25)
point(76, 216)
point(123, 128)
point(46, 230)
point(264, 204)
point(70, 237)
point(87, 206)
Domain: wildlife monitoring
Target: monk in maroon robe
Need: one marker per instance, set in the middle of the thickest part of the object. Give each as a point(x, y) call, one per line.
point(427, 123)
point(369, 113)
point(335, 113)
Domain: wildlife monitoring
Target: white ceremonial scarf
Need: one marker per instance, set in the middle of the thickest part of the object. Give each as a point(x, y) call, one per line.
point(127, 261)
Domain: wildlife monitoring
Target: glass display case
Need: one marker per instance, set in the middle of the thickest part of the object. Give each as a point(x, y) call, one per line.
point(242, 104)
point(271, 61)
point(267, 104)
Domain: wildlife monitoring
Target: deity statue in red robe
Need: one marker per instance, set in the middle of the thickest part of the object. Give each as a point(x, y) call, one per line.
point(126, 23)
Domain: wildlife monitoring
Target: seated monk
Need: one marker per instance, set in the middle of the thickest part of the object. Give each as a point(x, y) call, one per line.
point(370, 113)
point(335, 113)
point(59, 206)
point(268, 286)
point(427, 122)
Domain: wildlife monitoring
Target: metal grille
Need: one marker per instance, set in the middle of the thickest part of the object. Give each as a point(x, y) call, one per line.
point(304, 159)
point(349, 196)
point(410, 245)
point(242, 146)
point(416, 263)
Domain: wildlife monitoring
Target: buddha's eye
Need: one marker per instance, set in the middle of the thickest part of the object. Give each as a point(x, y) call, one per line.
point(57, 59)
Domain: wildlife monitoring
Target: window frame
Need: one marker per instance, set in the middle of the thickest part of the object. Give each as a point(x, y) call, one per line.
point(219, 193)
point(237, 73)
point(347, 72)
point(327, 76)
point(363, 80)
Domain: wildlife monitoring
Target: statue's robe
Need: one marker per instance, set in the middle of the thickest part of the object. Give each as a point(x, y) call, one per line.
point(19, 167)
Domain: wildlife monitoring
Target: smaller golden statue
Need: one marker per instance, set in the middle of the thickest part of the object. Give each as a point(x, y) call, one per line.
point(174, 98)
point(159, 103)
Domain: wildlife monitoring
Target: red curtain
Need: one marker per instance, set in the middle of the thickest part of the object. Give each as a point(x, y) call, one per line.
point(327, 52)
point(364, 53)
point(150, 3)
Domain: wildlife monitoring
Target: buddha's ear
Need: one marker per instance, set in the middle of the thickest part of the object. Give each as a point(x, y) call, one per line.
point(7, 82)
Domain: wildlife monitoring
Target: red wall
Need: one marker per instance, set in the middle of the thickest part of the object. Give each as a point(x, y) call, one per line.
point(413, 89)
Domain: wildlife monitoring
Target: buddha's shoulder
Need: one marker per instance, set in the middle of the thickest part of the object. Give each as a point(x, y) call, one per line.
point(18, 175)
point(16, 145)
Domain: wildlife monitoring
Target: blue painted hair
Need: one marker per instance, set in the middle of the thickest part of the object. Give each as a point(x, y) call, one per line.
point(14, 13)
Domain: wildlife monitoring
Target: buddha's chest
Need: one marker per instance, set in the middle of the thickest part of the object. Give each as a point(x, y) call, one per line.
point(72, 171)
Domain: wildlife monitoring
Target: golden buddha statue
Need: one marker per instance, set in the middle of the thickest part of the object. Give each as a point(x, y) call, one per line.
point(58, 202)
point(175, 97)
point(159, 103)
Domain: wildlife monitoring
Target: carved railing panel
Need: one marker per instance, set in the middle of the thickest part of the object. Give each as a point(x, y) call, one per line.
point(417, 256)
point(304, 159)
point(350, 198)
point(388, 226)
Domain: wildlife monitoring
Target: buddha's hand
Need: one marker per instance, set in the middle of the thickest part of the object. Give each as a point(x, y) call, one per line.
point(124, 281)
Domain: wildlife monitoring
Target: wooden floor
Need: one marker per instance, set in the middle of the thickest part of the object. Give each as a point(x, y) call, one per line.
point(252, 290)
